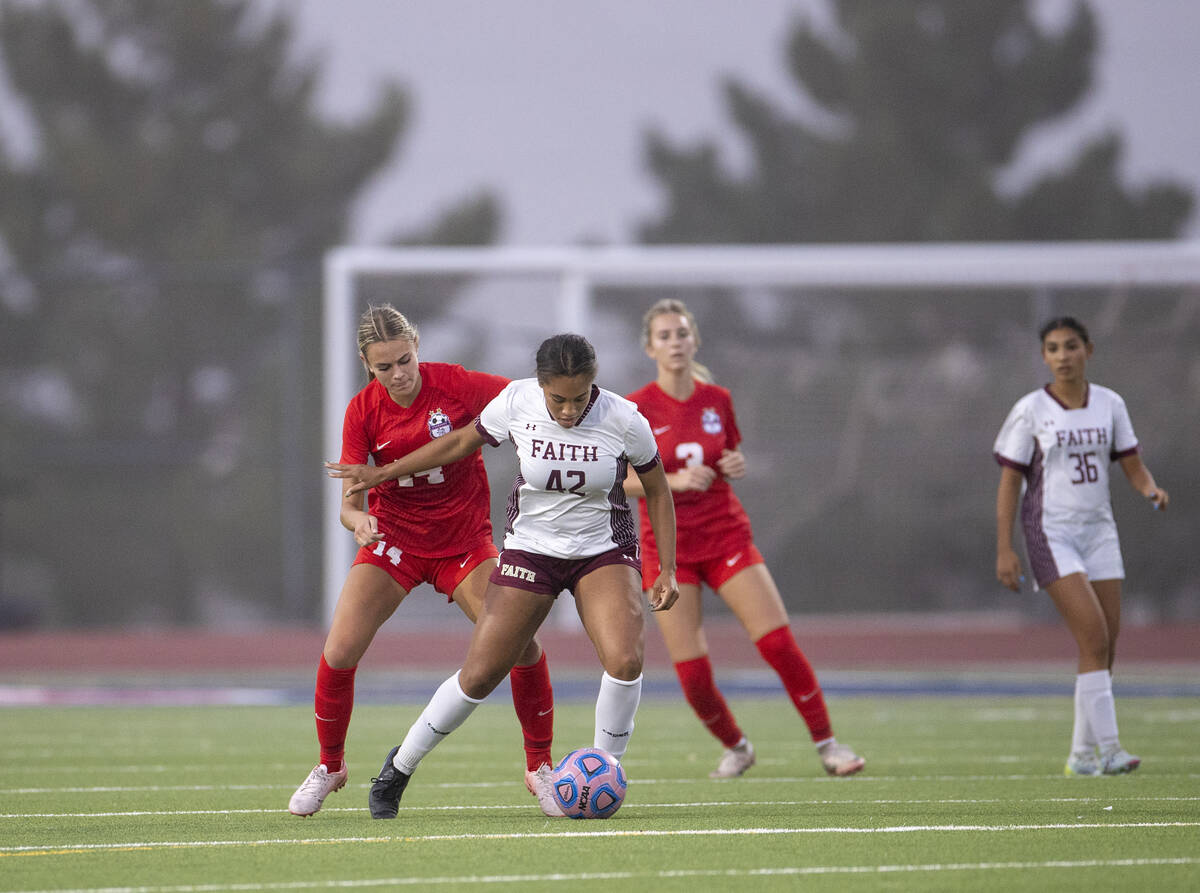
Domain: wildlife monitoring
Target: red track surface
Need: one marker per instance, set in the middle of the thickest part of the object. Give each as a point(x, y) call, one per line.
point(834, 643)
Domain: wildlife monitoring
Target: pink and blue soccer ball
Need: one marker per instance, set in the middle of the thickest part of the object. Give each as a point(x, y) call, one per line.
point(589, 783)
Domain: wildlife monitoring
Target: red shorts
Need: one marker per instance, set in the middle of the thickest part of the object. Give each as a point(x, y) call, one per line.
point(550, 576)
point(714, 571)
point(408, 570)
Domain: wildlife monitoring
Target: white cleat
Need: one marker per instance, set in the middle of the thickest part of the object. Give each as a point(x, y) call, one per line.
point(840, 760)
point(319, 785)
point(531, 780)
point(1118, 761)
point(543, 789)
point(735, 761)
point(1082, 762)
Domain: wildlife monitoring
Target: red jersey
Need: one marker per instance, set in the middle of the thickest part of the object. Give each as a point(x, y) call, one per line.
point(693, 432)
point(442, 511)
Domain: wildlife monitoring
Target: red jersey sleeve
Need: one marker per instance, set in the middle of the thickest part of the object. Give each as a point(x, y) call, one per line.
point(356, 439)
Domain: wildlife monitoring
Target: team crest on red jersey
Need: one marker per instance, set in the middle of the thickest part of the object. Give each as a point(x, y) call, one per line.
point(710, 421)
point(439, 423)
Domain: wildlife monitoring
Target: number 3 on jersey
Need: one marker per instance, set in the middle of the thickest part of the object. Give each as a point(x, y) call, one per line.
point(433, 476)
point(690, 454)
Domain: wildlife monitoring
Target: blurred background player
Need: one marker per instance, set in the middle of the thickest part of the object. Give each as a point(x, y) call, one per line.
point(1059, 441)
point(569, 528)
point(433, 527)
point(693, 422)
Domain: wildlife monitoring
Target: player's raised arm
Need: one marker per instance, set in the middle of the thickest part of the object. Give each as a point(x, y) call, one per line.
point(458, 444)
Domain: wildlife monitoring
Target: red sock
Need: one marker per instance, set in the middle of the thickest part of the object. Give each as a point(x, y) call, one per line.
point(780, 650)
point(701, 691)
point(333, 702)
point(533, 699)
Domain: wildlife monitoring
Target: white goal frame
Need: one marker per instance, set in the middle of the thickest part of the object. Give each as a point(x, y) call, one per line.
point(579, 270)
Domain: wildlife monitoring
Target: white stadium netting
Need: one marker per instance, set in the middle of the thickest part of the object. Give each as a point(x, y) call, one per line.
point(869, 383)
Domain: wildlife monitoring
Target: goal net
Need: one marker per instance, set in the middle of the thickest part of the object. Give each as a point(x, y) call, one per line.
point(869, 383)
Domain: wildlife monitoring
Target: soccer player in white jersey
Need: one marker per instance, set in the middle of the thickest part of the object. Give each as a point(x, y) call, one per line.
point(569, 528)
point(1059, 441)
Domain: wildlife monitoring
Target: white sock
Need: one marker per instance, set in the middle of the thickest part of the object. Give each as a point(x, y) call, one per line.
point(1083, 740)
point(1094, 689)
point(615, 708)
point(446, 711)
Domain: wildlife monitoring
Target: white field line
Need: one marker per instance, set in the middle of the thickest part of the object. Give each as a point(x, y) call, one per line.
point(859, 780)
point(708, 804)
point(557, 878)
point(65, 849)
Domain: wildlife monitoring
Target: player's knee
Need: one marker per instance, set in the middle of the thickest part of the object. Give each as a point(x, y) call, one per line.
point(479, 682)
point(625, 666)
point(1096, 645)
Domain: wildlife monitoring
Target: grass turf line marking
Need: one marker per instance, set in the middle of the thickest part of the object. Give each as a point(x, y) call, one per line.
point(524, 806)
point(807, 870)
point(65, 849)
point(859, 781)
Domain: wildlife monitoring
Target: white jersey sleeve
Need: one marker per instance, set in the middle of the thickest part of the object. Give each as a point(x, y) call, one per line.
point(640, 445)
point(1015, 442)
point(495, 418)
point(1124, 440)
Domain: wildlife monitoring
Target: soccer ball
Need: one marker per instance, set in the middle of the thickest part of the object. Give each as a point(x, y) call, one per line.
point(588, 783)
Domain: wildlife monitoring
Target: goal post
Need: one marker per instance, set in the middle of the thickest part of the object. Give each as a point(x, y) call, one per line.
point(576, 273)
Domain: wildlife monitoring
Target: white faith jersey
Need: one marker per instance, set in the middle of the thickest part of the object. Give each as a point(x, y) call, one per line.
point(1065, 454)
point(568, 499)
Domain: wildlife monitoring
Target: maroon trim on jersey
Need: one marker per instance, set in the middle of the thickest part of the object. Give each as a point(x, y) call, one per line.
point(642, 469)
point(1087, 394)
point(620, 518)
point(1132, 451)
point(1011, 463)
point(588, 408)
point(483, 432)
point(1041, 558)
point(512, 508)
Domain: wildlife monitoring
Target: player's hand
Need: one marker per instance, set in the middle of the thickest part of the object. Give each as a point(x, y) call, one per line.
point(361, 477)
point(366, 530)
point(692, 477)
point(1159, 499)
point(732, 464)
point(664, 592)
point(1008, 570)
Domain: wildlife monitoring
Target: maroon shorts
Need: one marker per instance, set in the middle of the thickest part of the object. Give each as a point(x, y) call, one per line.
point(550, 576)
point(714, 571)
point(408, 570)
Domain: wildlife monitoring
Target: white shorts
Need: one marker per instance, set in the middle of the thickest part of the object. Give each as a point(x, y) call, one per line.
point(1091, 549)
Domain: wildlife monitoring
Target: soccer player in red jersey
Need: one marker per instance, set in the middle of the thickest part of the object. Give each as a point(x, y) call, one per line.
point(433, 527)
point(693, 421)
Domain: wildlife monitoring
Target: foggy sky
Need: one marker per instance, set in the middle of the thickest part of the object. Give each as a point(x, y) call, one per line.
point(546, 101)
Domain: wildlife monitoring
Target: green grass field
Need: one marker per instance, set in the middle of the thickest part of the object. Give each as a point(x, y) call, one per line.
point(959, 793)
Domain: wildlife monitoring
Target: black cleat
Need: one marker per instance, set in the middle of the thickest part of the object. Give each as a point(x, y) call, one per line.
point(387, 789)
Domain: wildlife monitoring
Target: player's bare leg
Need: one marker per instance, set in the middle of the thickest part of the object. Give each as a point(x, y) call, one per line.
point(1088, 616)
point(368, 598)
point(610, 604)
point(504, 631)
